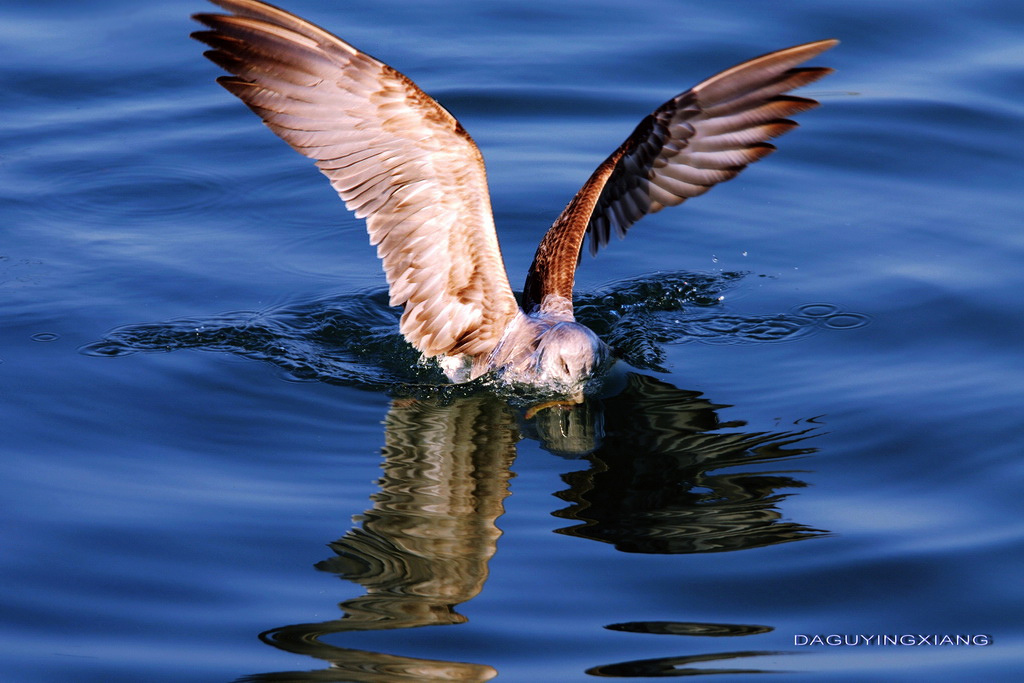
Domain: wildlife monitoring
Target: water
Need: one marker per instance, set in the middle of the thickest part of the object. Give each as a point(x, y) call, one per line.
point(211, 472)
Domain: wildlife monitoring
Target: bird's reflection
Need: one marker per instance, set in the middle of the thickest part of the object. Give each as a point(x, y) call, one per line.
point(423, 548)
point(658, 480)
point(655, 482)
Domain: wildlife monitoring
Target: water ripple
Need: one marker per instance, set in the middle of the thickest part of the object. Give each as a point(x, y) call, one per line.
point(732, 329)
point(290, 187)
point(638, 317)
point(743, 329)
point(151, 193)
point(354, 339)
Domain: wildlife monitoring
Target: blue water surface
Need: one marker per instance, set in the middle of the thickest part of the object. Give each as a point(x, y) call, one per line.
point(221, 463)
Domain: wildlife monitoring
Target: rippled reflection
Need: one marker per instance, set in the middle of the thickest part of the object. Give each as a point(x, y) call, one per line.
point(679, 628)
point(683, 666)
point(423, 548)
point(660, 478)
point(662, 473)
point(687, 665)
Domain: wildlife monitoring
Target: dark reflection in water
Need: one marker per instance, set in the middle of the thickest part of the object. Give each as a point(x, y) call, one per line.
point(682, 666)
point(661, 667)
point(653, 484)
point(688, 628)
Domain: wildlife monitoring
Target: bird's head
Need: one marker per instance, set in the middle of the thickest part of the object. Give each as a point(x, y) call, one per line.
point(567, 354)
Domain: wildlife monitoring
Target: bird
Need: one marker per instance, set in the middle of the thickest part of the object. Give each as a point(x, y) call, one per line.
point(402, 162)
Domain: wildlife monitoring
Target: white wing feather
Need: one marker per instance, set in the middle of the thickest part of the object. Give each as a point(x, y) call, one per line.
point(396, 157)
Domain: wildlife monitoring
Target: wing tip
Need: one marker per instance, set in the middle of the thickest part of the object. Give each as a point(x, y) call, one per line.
point(822, 45)
point(805, 50)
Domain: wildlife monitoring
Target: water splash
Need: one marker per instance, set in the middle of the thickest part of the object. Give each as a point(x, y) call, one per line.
point(354, 340)
point(351, 340)
point(637, 318)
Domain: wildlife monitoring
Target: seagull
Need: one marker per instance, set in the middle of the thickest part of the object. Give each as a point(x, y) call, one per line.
point(402, 162)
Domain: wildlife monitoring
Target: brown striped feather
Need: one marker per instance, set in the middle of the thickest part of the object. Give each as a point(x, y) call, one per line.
point(699, 138)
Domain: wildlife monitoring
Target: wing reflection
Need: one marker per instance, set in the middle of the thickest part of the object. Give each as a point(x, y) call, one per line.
point(423, 548)
point(656, 483)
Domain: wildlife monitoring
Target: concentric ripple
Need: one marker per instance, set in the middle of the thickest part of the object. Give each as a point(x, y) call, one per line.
point(831, 317)
point(136, 193)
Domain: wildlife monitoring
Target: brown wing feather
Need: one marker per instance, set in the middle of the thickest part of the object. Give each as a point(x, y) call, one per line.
point(699, 138)
point(396, 157)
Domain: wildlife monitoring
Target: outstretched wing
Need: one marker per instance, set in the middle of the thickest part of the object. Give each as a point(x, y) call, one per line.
point(396, 157)
point(701, 137)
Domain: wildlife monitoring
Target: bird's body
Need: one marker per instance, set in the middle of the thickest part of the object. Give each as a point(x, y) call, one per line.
point(546, 348)
point(402, 162)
